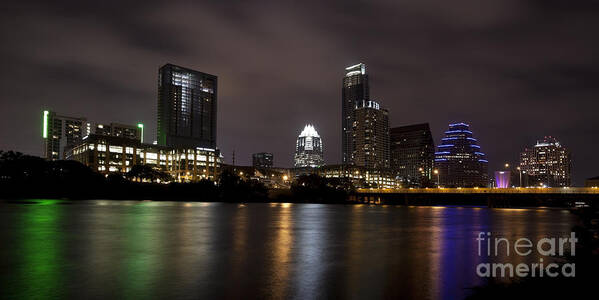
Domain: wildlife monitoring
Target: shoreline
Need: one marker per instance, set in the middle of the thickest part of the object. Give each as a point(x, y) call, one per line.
point(39, 201)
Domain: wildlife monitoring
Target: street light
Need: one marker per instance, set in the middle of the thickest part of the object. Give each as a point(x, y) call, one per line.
point(437, 173)
point(520, 172)
point(507, 165)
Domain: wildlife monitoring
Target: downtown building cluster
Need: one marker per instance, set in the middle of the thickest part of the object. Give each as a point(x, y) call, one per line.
point(372, 153)
point(185, 146)
point(405, 155)
point(375, 155)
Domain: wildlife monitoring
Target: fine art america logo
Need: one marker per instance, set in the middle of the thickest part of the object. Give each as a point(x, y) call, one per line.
point(545, 247)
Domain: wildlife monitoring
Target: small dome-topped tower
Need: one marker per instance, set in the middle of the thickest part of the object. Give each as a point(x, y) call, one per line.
point(308, 149)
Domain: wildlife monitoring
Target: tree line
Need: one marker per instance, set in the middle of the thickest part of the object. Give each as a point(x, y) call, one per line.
point(25, 176)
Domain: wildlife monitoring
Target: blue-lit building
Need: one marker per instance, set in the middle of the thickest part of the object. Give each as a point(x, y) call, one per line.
point(459, 161)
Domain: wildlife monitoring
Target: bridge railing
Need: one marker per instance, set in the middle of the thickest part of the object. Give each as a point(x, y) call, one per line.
point(565, 190)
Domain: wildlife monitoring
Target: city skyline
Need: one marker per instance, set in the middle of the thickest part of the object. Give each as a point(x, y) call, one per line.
point(413, 149)
point(509, 94)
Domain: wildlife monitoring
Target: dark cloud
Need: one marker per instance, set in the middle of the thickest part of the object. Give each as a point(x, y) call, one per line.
point(516, 70)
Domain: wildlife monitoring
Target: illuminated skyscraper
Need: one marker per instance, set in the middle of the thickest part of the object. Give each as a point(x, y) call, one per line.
point(61, 133)
point(412, 152)
point(370, 136)
point(459, 160)
point(354, 91)
point(308, 149)
point(187, 101)
point(547, 163)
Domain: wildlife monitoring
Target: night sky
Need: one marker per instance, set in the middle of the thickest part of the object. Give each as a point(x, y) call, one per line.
point(515, 70)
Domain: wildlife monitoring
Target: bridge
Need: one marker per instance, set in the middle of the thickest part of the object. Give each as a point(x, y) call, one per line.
point(492, 197)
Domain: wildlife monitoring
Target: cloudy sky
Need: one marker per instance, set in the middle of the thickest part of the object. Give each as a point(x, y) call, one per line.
point(516, 70)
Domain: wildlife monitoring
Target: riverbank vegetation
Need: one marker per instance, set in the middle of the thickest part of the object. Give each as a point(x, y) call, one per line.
point(25, 176)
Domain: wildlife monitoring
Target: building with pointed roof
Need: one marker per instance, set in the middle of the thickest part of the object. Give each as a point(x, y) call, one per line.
point(308, 149)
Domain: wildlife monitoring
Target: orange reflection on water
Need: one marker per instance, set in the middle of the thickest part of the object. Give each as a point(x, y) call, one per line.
point(238, 256)
point(281, 245)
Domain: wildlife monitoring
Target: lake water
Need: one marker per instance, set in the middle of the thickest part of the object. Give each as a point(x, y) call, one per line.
point(117, 249)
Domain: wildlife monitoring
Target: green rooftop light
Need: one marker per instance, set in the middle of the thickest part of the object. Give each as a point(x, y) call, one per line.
point(45, 131)
point(141, 126)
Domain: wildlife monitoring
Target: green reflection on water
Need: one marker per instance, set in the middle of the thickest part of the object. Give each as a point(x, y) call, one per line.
point(141, 263)
point(40, 241)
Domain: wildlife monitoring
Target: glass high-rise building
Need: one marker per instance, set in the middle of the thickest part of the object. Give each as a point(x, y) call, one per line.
point(61, 133)
point(308, 149)
point(547, 163)
point(354, 91)
point(187, 102)
point(370, 136)
point(412, 152)
point(459, 161)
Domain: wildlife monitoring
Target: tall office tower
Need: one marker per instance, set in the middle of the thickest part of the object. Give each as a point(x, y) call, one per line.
point(133, 132)
point(412, 152)
point(262, 160)
point(308, 149)
point(370, 135)
point(354, 91)
point(459, 161)
point(547, 163)
point(61, 133)
point(187, 101)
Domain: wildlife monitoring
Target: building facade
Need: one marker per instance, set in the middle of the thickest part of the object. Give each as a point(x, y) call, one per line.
point(362, 177)
point(111, 154)
point(412, 153)
point(133, 132)
point(308, 149)
point(459, 161)
point(60, 133)
point(187, 103)
point(262, 160)
point(547, 163)
point(370, 135)
point(354, 90)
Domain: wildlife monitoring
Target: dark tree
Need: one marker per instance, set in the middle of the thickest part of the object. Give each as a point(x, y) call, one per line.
point(147, 173)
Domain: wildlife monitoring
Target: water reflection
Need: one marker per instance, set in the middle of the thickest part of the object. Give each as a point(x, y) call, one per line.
point(39, 253)
point(108, 249)
point(311, 256)
point(239, 252)
point(280, 246)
